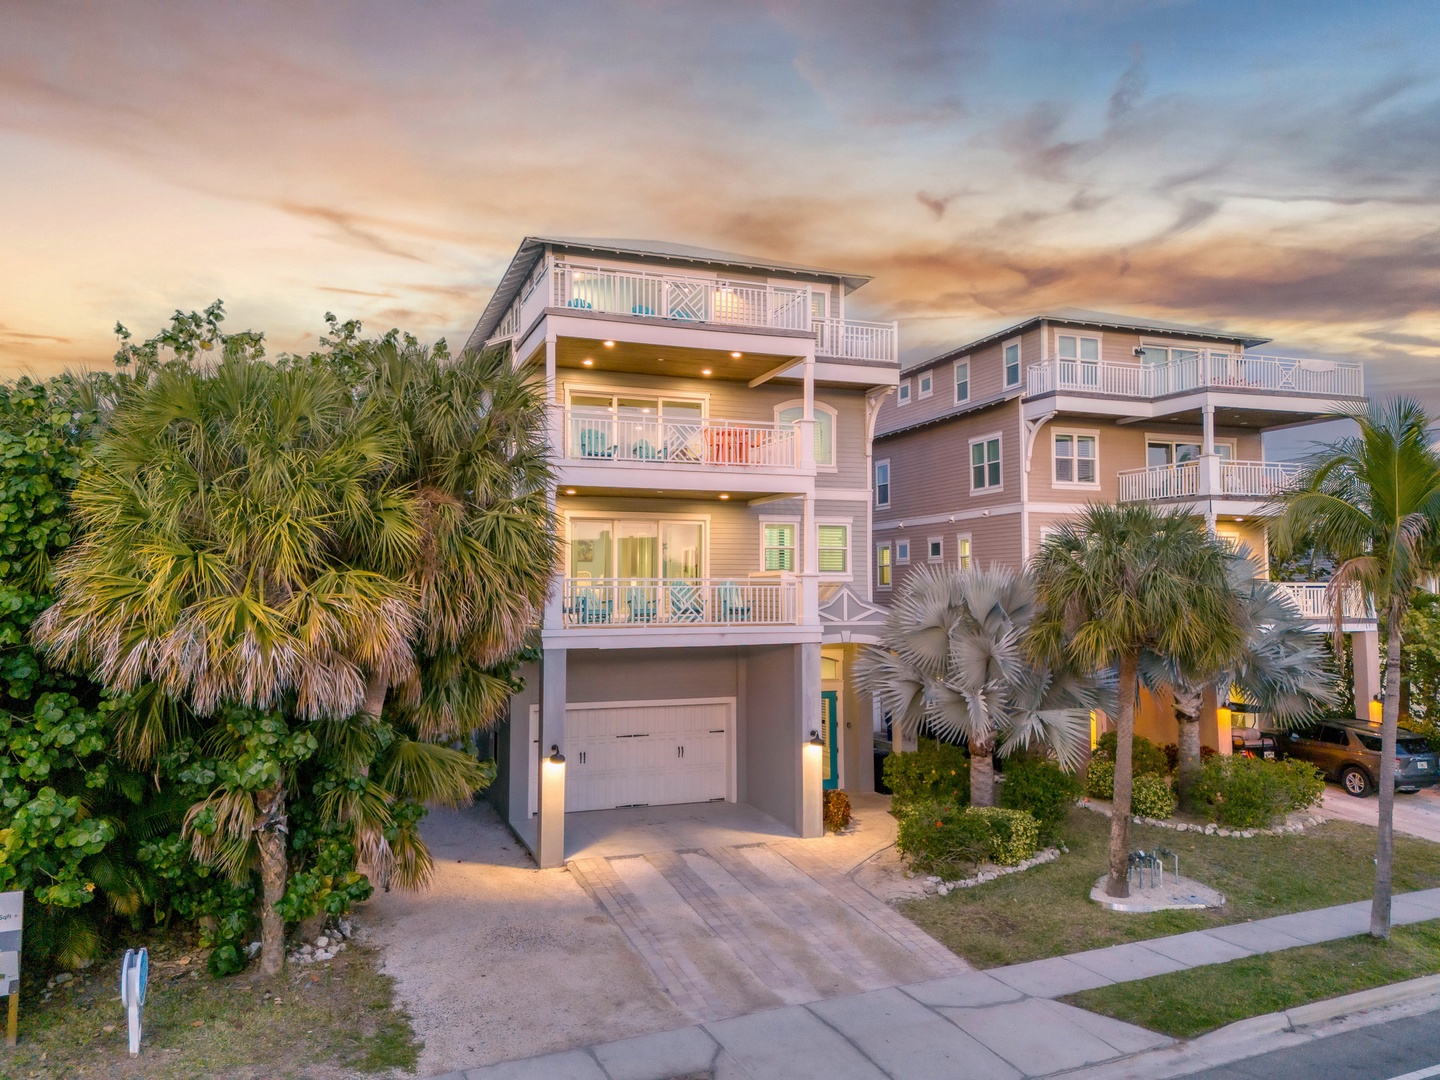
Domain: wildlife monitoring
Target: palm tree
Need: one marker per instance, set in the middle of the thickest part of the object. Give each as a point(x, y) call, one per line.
point(273, 539)
point(952, 656)
point(1372, 500)
point(1116, 582)
point(1281, 667)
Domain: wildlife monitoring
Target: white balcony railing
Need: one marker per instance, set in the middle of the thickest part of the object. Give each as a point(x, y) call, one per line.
point(601, 602)
point(696, 300)
point(1194, 480)
point(1218, 370)
point(597, 434)
point(1314, 601)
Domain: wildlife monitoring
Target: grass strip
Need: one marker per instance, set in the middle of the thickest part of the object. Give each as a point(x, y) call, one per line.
point(1184, 1004)
point(1047, 911)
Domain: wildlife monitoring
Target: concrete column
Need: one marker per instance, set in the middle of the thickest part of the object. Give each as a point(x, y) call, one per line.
point(808, 817)
point(553, 617)
point(550, 829)
point(1365, 645)
point(1207, 429)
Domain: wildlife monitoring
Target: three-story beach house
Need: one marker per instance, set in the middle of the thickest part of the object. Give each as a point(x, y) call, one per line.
point(984, 448)
point(710, 418)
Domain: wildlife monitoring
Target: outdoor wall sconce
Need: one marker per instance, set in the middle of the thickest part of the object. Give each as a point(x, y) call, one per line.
point(816, 741)
point(555, 758)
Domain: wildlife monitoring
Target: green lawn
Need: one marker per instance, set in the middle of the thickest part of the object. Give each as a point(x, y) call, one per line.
point(1047, 911)
point(1188, 1003)
point(330, 1020)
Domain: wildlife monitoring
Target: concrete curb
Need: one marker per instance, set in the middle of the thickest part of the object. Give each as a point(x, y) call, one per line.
point(1320, 1011)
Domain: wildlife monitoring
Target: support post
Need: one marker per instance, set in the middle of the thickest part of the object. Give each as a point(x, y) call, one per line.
point(12, 1018)
point(1365, 648)
point(810, 819)
point(550, 828)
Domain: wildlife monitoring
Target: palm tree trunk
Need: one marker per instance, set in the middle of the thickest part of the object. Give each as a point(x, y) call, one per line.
point(982, 774)
point(376, 687)
point(274, 872)
point(1119, 882)
point(1189, 767)
point(1389, 715)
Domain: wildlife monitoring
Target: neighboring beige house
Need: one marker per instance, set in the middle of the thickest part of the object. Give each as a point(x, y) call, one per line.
point(711, 417)
point(984, 448)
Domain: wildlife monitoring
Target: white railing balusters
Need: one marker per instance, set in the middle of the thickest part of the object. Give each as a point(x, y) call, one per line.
point(1314, 600)
point(630, 602)
point(1220, 370)
point(597, 434)
point(1188, 480)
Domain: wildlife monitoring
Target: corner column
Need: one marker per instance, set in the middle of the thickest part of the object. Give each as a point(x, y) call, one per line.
point(1365, 649)
point(550, 828)
point(807, 707)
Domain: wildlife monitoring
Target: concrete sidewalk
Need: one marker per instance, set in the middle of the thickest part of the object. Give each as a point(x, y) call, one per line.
point(998, 1024)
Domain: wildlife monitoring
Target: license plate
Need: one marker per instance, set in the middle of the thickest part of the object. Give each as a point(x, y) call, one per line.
point(1269, 755)
point(1422, 764)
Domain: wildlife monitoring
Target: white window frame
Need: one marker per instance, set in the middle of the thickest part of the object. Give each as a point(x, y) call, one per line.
point(849, 525)
point(889, 482)
point(986, 489)
point(1019, 363)
point(618, 517)
point(926, 384)
point(964, 551)
point(1074, 433)
point(965, 363)
point(833, 464)
point(931, 542)
point(902, 558)
point(1199, 440)
point(794, 523)
point(888, 548)
point(1098, 337)
point(902, 393)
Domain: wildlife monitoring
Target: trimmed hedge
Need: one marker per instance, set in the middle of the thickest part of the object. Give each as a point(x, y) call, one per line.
point(939, 771)
point(942, 838)
point(1147, 757)
point(1100, 778)
point(1041, 788)
point(1252, 793)
point(837, 810)
point(1150, 796)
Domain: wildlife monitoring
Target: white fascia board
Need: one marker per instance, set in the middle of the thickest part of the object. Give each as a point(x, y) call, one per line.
point(674, 635)
point(660, 476)
point(640, 331)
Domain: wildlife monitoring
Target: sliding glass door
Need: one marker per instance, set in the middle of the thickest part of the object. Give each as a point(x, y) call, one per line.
point(636, 548)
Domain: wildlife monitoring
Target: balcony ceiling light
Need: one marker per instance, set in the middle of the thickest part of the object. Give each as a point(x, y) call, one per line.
point(724, 496)
point(588, 362)
point(569, 491)
point(609, 344)
point(705, 371)
point(737, 355)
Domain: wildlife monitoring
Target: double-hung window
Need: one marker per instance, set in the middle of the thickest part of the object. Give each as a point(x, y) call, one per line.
point(1012, 363)
point(962, 551)
point(902, 552)
point(1075, 458)
point(936, 551)
point(927, 384)
point(962, 381)
point(834, 549)
point(1079, 359)
point(882, 483)
point(792, 413)
point(985, 463)
point(882, 566)
point(902, 392)
point(778, 542)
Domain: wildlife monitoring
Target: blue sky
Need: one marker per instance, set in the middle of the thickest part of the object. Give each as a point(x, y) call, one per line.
point(1274, 168)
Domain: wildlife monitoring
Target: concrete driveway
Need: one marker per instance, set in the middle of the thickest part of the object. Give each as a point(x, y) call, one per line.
point(1415, 815)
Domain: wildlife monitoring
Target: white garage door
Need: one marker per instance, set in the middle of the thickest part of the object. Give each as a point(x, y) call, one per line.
point(646, 753)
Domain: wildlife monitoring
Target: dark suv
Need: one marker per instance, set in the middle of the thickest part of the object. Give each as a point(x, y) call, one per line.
point(1349, 751)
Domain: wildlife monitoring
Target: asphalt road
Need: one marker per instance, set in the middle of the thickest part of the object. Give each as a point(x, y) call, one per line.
point(1407, 1049)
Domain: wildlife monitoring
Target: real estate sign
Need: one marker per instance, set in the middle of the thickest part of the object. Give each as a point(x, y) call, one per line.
point(12, 916)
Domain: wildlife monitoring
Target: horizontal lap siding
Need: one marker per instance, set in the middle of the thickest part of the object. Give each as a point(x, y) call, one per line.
point(930, 468)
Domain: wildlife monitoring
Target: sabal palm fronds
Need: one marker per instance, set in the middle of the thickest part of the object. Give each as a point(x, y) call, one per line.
point(1372, 502)
point(952, 656)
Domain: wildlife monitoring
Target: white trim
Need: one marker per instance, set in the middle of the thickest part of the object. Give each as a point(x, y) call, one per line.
point(898, 560)
point(849, 572)
point(979, 512)
point(700, 396)
point(1074, 433)
point(888, 545)
point(1061, 331)
point(922, 391)
point(955, 378)
point(930, 544)
point(1019, 363)
point(842, 494)
point(902, 393)
point(986, 489)
point(889, 483)
point(964, 551)
point(818, 407)
point(793, 522)
point(1199, 440)
point(617, 517)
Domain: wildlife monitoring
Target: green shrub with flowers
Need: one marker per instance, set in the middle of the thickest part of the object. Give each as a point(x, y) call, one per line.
point(942, 838)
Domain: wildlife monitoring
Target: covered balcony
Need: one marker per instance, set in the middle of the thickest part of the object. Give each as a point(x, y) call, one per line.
point(694, 300)
point(597, 434)
point(596, 603)
point(1207, 369)
point(1316, 602)
point(1200, 478)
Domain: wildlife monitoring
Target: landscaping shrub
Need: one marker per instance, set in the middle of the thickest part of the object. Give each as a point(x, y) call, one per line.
point(1172, 755)
point(1100, 778)
point(1252, 793)
point(939, 771)
point(1151, 797)
point(1148, 758)
point(1043, 789)
point(837, 810)
point(942, 838)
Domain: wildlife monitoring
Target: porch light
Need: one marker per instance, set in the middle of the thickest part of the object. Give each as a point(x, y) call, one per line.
point(705, 371)
point(588, 362)
point(555, 758)
point(815, 740)
point(609, 344)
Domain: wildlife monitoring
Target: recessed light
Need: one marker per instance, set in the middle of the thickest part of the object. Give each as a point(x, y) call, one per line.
point(588, 362)
point(609, 344)
point(724, 496)
point(569, 491)
point(737, 355)
point(705, 371)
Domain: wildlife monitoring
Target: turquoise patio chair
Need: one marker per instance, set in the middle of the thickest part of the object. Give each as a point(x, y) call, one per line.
point(592, 606)
point(595, 444)
point(639, 604)
point(576, 302)
point(732, 605)
point(642, 309)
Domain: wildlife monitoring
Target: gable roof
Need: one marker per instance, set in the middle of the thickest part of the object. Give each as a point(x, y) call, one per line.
point(532, 249)
point(1099, 320)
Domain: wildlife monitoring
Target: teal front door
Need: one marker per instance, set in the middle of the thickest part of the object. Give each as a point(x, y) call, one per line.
point(829, 731)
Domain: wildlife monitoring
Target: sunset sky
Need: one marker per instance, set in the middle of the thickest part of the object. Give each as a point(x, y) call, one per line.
point(1272, 167)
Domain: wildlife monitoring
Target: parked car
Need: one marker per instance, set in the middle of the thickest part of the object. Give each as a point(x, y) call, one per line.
point(1348, 751)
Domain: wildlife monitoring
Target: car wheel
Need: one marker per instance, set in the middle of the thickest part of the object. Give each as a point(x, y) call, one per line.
point(1355, 781)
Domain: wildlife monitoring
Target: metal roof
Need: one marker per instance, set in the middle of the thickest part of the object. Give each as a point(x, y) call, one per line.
point(1100, 320)
point(532, 249)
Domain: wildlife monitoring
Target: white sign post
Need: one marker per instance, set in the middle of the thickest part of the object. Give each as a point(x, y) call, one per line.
point(134, 974)
point(12, 918)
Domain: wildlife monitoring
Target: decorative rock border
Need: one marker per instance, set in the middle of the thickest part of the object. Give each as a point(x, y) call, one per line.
point(992, 872)
point(1296, 823)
